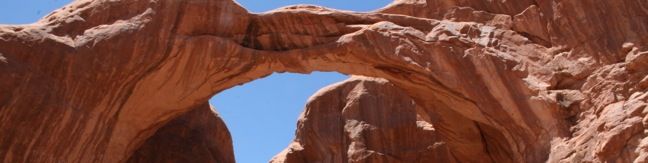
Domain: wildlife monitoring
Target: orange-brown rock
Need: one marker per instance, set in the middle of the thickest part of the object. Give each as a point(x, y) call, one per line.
point(537, 81)
point(363, 120)
point(196, 136)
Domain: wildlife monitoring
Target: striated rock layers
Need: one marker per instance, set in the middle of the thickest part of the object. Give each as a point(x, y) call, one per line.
point(363, 120)
point(510, 81)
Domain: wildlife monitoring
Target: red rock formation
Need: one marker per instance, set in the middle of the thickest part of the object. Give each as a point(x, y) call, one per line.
point(196, 136)
point(535, 80)
point(363, 120)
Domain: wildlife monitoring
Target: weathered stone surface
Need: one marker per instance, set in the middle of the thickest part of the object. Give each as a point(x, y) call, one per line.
point(535, 80)
point(196, 136)
point(364, 120)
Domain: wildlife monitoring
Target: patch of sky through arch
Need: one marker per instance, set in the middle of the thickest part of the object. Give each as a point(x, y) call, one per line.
point(259, 6)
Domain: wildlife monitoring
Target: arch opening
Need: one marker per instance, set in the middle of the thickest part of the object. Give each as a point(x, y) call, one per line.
point(260, 6)
point(261, 114)
point(449, 136)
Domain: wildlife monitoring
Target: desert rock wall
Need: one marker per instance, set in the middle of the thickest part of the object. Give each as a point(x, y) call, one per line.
point(538, 81)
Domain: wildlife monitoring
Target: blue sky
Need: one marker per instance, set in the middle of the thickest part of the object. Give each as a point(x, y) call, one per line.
point(261, 115)
point(27, 11)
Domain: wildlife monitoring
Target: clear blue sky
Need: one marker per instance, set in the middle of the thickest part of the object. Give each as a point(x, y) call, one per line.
point(261, 115)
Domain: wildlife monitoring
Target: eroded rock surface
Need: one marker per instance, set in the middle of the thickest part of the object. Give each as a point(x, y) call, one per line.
point(199, 135)
point(537, 81)
point(364, 120)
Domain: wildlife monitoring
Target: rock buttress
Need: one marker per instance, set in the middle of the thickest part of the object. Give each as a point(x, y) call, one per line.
point(199, 135)
point(364, 120)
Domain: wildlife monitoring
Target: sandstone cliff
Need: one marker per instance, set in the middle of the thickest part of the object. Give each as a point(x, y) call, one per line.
point(364, 120)
point(537, 81)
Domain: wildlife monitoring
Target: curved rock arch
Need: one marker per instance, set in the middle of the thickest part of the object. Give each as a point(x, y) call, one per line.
point(122, 69)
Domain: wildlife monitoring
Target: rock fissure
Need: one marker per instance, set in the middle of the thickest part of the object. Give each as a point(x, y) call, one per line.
point(483, 139)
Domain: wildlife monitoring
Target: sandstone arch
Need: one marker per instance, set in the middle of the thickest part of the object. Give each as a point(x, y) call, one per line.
point(521, 75)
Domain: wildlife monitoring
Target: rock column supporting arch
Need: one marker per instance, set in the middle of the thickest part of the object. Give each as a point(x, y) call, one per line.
point(200, 135)
point(366, 119)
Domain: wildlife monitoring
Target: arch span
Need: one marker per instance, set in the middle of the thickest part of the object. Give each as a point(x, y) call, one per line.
point(116, 71)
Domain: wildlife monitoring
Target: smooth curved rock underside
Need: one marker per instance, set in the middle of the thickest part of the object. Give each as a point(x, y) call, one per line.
point(508, 81)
